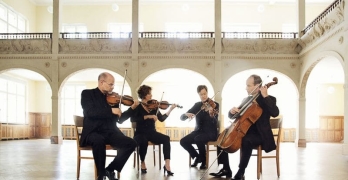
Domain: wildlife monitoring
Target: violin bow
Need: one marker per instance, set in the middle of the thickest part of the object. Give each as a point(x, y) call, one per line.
point(124, 80)
point(159, 103)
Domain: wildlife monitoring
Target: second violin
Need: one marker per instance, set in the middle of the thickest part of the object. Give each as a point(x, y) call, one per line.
point(154, 104)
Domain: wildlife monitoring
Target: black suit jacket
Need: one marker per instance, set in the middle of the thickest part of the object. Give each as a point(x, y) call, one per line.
point(98, 116)
point(205, 123)
point(263, 126)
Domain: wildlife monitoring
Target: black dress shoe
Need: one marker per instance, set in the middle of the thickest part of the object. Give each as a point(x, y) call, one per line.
point(238, 178)
point(222, 172)
point(110, 174)
point(100, 178)
point(143, 171)
point(203, 166)
point(197, 160)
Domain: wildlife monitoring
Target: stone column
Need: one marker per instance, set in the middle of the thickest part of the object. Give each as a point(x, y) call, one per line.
point(345, 58)
point(56, 128)
point(135, 49)
point(301, 13)
point(302, 121)
point(218, 63)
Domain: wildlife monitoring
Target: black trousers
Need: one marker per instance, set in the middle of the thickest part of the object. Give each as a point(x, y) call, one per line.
point(200, 139)
point(155, 137)
point(249, 141)
point(124, 145)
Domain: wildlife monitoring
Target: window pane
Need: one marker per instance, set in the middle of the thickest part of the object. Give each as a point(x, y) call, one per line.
point(3, 85)
point(3, 12)
point(3, 107)
point(69, 111)
point(12, 108)
point(20, 109)
point(12, 18)
point(20, 89)
point(3, 27)
point(12, 29)
point(11, 86)
point(21, 24)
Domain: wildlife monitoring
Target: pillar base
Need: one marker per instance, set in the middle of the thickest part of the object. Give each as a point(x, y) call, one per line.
point(56, 139)
point(345, 149)
point(301, 143)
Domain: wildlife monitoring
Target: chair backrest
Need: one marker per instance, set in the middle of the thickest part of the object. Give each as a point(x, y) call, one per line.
point(276, 125)
point(78, 120)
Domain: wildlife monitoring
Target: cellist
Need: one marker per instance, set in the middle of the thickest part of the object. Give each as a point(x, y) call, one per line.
point(259, 133)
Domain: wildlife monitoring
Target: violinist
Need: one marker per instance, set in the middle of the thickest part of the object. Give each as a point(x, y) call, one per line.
point(206, 114)
point(259, 133)
point(145, 116)
point(99, 127)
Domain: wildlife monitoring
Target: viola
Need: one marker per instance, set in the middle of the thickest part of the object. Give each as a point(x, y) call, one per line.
point(209, 103)
point(114, 98)
point(154, 104)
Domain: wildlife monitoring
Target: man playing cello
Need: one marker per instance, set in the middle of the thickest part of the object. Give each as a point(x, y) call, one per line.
point(259, 133)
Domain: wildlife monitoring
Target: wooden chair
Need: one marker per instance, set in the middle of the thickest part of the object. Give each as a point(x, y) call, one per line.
point(276, 125)
point(210, 143)
point(136, 152)
point(78, 129)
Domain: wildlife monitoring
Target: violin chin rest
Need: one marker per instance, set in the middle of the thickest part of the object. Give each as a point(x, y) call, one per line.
point(183, 117)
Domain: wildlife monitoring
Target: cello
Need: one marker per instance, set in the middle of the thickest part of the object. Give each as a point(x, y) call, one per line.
point(230, 139)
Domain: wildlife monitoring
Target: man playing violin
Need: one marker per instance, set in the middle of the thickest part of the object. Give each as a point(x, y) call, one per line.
point(145, 117)
point(259, 133)
point(206, 114)
point(99, 127)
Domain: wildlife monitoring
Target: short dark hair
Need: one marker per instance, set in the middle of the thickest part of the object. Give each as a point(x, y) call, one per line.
point(143, 91)
point(200, 87)
point(257, 79)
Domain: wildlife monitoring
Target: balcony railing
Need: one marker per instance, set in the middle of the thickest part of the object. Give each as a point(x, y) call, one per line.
point(96, 35)
point(153, 35)
point(25, 35)
point(322, 15)
point(260, 35)
point(191, 35)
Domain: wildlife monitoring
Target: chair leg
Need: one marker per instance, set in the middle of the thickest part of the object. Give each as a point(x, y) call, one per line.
point(159, 156)
point(154, 157)
point(78, 165)
point(95, 172)
point(134, 159)
point(138, 158)
point(189, 160)
point(207, 156)
point(259, 161)
point(277, 159)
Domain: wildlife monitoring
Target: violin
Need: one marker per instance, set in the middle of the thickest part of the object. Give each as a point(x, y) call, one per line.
point(209, 103)
point(114, 98)
point(154, 104)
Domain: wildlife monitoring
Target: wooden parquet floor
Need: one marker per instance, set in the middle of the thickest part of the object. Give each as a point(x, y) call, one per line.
point(37, 159)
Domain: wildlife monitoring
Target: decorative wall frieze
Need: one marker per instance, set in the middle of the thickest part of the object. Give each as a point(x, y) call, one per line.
point(95, 46)
point(324, 26)
point(260, 57)
point(25, 57)
point(171, 45)
point(95, 57)
point(176, 57)
point(318, 43)
point(260, 46)
point(25, 46)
